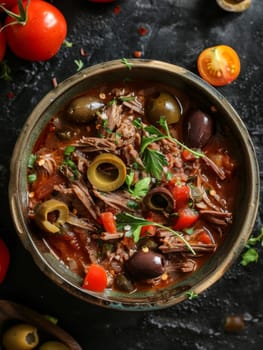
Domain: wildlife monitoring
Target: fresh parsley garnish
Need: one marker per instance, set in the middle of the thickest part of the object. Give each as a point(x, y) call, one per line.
point(126, 63)
point(191, 295)
point(140, 188)
point(251, 253)
point(68, 163)
point(135, 224)
point(79, 64)
point(31, 178)
point(67, 43)
point(154, 160)
point(31, 160)
point(68, 150)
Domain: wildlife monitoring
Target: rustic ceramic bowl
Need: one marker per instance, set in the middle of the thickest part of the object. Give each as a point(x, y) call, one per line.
point(247, 201)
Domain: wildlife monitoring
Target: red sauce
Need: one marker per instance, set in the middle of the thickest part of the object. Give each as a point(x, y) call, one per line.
point(118, 122)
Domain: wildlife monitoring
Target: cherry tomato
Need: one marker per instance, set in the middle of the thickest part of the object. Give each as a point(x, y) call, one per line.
point(186, 218)
point(4, 260)
point(8, 4)
point(218, 65)
point(95, 279)
point(2, 45)
point(108, 222)
point(42, 35)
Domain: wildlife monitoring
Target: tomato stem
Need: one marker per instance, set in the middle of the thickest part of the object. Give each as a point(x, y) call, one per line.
point(20, 18)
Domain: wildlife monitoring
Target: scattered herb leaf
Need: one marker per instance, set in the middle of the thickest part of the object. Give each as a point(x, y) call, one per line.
point(79, 64)
point(32, 178)
point(251, 254)
point(191, 295)
point(154, 162)
point(141, 187)
point(67, 43)
point(31, 160)
point(5, 71)
point(126, 63)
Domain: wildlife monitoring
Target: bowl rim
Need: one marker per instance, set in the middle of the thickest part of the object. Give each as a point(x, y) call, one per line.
point(67, 85)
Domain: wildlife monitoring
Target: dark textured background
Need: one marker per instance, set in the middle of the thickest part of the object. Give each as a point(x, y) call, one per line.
point(177, 31)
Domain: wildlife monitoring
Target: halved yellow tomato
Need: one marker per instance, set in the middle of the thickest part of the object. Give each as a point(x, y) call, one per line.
point(218, 65)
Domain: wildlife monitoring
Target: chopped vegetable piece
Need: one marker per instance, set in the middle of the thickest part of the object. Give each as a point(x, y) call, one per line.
point(95, 279)
point(108, 221)
point(186, 218)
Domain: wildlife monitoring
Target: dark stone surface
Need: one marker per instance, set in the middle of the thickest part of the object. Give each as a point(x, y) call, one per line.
point(177, 31)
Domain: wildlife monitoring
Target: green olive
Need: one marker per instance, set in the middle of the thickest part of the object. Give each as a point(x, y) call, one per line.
point(20, 337)
point(107, 172)
point(121, 282)
point(53, 345)
point(164, 105)
point(83, 109)
point(59, 208)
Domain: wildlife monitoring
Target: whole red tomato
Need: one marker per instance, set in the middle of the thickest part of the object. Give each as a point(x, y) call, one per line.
point(41, 37)
point(2, 45)
point(4, 260)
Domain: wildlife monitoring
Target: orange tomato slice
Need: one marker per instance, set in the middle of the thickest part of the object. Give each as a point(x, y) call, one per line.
point(218, 65)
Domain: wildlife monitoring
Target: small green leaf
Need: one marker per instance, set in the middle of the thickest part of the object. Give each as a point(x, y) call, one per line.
point(31, 160)
point(32, 178)
point(129, 180)
point(191, 295)
point(127, 63)
point(141, 187)
point(154, 162)
point(79, 64)
point(67, 43)
point(69, 150)
point(250, 255)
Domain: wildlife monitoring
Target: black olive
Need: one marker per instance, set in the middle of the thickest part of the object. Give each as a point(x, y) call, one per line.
point(159, 199)
point(144, 265)
point(198, 128)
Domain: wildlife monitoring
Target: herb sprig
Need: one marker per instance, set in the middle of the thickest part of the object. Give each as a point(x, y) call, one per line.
point(191, 295)
point(251, 254)
point(154, 160)
point(141, 187)
point(135, 223)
